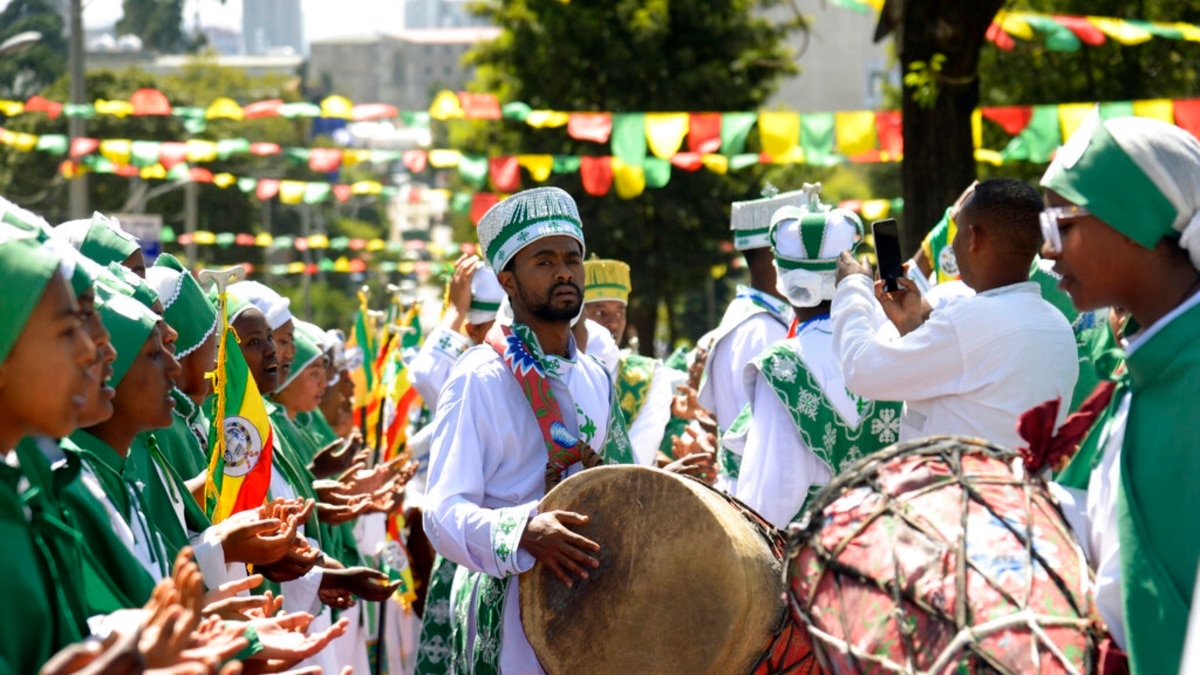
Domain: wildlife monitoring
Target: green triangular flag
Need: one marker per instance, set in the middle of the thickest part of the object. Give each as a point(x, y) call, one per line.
point(225, 239)
point(816, 138)
point(247, 184)
point(144, 153)
point(474, 169)
point(1116, 109)
point(1038, 141)
point(317, 192)
point(658, 172)
point(85, 110)
point(734, 129)
point(516, 110)
point(629, 138)
point(195, 125)
point(232, 146)
point(566, 164)
point(55, 144)
point(742, 161)
point(460, 203)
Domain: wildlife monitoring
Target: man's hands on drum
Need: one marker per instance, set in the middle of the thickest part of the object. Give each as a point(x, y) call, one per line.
point(565, 553)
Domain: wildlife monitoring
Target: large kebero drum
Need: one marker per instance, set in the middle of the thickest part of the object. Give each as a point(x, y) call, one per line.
point(942, 556)
point(689, 582)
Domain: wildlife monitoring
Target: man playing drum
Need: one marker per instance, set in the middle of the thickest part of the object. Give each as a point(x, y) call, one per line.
point(517, 413)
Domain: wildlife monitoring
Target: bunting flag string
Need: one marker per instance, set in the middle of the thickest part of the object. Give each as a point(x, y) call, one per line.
point(642, 146)
point(151, 102)
point(343, 265)
point(1063, 32)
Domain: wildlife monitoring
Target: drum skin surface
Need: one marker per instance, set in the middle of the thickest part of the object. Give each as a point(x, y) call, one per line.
point(685, 583)
point(940, 556)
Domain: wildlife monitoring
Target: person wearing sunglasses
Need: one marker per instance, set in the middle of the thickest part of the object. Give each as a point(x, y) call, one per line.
point(1122, 225)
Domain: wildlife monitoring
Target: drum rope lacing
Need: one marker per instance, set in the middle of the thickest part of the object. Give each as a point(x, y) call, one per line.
point(967, 637)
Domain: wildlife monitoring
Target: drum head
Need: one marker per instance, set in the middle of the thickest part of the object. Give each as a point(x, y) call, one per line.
point(685, 583)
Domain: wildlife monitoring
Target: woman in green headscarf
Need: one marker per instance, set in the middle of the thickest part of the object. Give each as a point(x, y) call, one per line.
point(41, 342)
point(1122, 225)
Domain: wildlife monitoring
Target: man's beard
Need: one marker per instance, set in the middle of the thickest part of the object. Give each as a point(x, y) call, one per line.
point(545, 309)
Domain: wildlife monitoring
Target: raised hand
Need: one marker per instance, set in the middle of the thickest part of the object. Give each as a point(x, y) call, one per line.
point(215, 641)
point(567, 554)
point(702, 465)
point(285, 642)
point(364, 582)
point(331, 514)
point(115, 655)
point(336, 457)
point(257, 542)
point(230, 589)
point(294, 564)
point(904, 307)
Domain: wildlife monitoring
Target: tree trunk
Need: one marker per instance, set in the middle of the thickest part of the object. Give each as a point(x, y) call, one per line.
point(939, 152)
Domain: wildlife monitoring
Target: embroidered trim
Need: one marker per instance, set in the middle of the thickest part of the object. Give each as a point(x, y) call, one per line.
point(212, 329)
point(506, 538)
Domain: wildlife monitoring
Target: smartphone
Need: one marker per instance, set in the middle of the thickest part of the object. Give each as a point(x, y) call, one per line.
point(887, 253)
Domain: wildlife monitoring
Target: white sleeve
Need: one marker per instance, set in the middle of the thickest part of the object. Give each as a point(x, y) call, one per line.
point(646, 432)
point(926, 363)
point(777, 468)
point(431, 367)
point(300, 595)
point(210, 557)
point(459, 527)
point(728, 360)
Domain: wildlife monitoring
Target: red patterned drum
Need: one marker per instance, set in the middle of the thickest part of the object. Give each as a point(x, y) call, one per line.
point(690, 581)
point(941, 556)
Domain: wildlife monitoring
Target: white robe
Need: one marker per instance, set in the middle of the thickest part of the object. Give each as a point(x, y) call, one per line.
point(431, 367)
point(1093, 516)
point(646, 432)
point(777, 467)
point(972, 369)
point(487, 464)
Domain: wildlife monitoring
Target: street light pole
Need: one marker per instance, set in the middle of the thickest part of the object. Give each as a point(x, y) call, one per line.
point(77, 186)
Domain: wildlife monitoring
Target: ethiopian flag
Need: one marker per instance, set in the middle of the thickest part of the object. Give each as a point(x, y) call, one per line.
point(239, 467)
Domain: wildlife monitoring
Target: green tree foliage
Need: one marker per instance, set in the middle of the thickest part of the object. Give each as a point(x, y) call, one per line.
point(1032, 74)
point(637, 55)
point(159, 23)
point(26, 73)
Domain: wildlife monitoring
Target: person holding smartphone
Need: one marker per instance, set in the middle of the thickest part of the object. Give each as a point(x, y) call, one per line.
point(974, 365)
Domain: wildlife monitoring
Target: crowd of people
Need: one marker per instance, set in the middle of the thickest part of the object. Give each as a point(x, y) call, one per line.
point(1077, 303)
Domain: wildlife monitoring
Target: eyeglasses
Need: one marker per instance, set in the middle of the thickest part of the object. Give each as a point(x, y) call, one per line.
point(1049, 219)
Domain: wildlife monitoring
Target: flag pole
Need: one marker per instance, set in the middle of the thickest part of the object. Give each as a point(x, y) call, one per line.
point(220, 278)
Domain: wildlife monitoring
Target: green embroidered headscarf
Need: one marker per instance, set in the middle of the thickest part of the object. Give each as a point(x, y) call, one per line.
point(308, 349)
point(80, 270)
point(1140, 176)
point(100, 238)
point(120, 279)
point(185, 306)
point(28, 267)
point(128, 322)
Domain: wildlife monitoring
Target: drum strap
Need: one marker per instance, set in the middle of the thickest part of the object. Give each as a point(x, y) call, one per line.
point(521, 354)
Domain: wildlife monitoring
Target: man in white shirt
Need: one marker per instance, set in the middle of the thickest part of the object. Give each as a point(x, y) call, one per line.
point(490, 464)
point(974, 365)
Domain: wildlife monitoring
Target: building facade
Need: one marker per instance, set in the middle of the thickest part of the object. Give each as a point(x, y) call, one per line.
point(405, 69)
